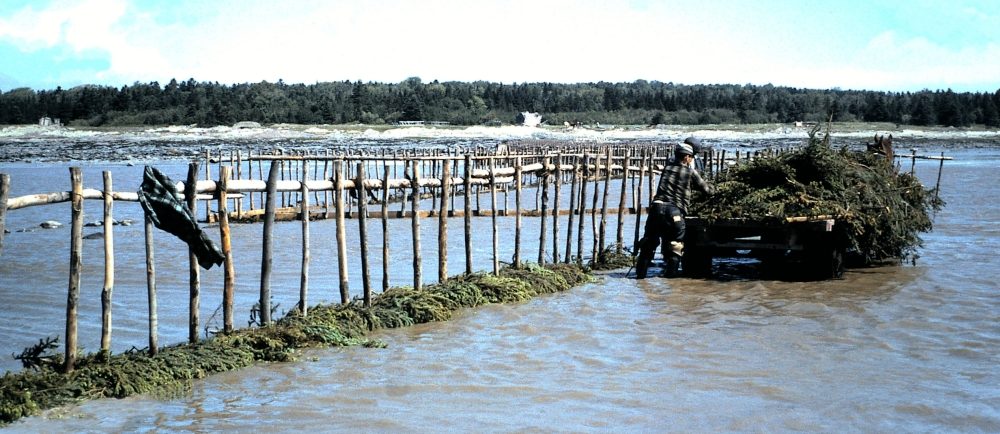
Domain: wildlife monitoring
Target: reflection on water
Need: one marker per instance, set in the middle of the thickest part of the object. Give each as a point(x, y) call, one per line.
point(893, 349)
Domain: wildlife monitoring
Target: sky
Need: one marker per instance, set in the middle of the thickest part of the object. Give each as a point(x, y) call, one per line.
point(904, 45)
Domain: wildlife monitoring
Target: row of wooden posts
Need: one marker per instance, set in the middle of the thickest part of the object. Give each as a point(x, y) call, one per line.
point(546, 168)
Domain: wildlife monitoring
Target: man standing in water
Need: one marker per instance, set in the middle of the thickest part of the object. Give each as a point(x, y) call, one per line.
point(666, 214)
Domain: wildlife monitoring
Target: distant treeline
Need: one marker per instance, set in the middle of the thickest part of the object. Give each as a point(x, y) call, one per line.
point(471, 103)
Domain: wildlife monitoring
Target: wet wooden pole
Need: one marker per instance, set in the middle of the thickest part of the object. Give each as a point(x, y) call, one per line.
point(555, 211)
point(385, 227)
point(604, 204)
point(194, 273)
point(468, 214)
point(638, 202)
point(345, 290)
point(517, 212)
point(493, 217)
point(572, 211)
point(415, 225)
point(620, 240)
point(151, 287)
point(443, 221)
point(582, 208)
point(306, 255)
point(109, 264)
point(359, 186)
point(229, 279)
point(267, 244)
point(4, 194)
point(75, 267)
point(543, 184)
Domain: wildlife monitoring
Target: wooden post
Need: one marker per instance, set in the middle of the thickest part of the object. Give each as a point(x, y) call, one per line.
point(4, 193)
point(543, 184)
point(345, 291)
point(415, 220)
point(620, 240)
point(638, 203)
point(109, 264)
point(493, 216)
point(385, 227)
point(208, 176)
point(229, 280)
point(359, 186)
point(194, 300)
point(582, 208)
point(75, 267)
point(306, 255)
point(572, 211)
point(443, 222)
point(267, 244)
point(604, 204)
point(468, 214)
point(194, 271)
point(937, 185)
point(151, 287)
point(555, 211)
point(517, 212)
point(239, 175)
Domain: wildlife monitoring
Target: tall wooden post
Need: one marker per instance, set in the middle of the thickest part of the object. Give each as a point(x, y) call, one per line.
point(443, 221)
point(4, 193)
point(415, 220)
point(306, 255)
point(345, 290)
point(359, 187)
point(229, 280)
point(493, 216)
point(638, 202)
point(194, 280)
point(75, 266)
point(572, 211)
point(620, 239)
point(604, 203)
point(109, 264)
point(583, 208)
point(385, 227)
point(267, 243)
point(151, 287)
point(517, 211)
point(543, 184)
point(468, 214)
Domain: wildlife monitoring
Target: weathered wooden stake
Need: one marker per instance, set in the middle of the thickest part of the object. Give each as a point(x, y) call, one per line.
point(194, 300)
point(415, 219)
point(306, 255)
point(572, 211)
point(4, 193)
point(443, 222)
point(582, 208)
point(493, 217)
point(75, 267)
point(604, 204)
point(359, 187)
point(468, 214)
point(267, 244)
point(345, 291)
point(151, 287)
point(385, 227)
point(229, 280)
point(620, 239)
point(517, 212)
point(543, 184)
point(555, 211)
point(638, 202)
point(109, 264)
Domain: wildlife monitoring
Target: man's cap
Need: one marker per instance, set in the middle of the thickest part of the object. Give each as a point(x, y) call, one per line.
point(694, 142)
point(684, 149)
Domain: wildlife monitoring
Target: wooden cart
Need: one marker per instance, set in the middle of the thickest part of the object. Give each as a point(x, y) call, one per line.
point(794, 247)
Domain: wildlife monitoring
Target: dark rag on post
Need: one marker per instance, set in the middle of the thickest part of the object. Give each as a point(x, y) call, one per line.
point(164, 207)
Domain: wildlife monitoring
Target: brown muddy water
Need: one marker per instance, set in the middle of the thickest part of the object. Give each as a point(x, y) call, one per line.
point(910, 348)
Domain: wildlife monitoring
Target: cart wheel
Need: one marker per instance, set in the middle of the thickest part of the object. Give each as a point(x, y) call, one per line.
point(827, 262)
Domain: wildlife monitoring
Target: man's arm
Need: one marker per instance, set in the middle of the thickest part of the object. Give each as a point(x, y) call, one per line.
point(700, 183)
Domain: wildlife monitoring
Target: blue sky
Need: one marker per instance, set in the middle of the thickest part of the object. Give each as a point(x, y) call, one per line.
point(871, 44)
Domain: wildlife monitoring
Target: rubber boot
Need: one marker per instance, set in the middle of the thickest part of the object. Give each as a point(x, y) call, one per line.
point(671, 265)
point(642, 262)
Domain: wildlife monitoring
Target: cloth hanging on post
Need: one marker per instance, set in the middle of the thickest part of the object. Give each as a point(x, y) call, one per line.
point(164, 207)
